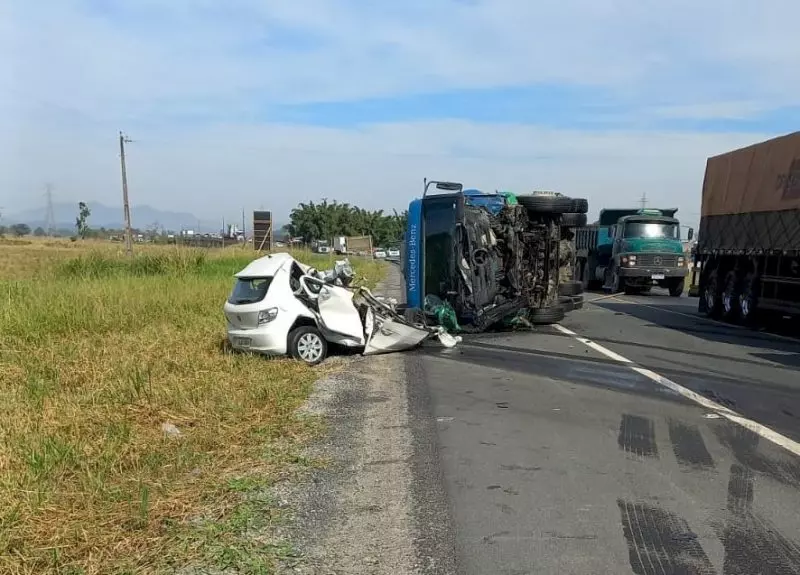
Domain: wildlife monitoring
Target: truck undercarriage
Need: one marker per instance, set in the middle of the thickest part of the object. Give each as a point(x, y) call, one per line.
point(499, 261)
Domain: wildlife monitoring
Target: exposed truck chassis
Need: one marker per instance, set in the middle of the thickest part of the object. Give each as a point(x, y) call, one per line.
point(506, 262)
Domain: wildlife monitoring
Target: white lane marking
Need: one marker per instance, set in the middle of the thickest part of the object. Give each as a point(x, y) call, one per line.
point(602, 297)
point(593, 345)
point(765, 432)
point(695, 317)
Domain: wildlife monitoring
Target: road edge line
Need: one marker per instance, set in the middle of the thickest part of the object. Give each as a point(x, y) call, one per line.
point(763, 431)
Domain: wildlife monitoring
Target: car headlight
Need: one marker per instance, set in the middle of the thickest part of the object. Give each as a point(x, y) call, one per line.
point(629, 260)
point(267, 315)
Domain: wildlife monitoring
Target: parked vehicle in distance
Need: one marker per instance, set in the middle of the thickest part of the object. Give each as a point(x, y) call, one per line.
point(747, 258)
point(393, 253)
point(379, 253)
point(632, 250)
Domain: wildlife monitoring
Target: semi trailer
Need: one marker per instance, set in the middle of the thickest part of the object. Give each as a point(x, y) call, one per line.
point(747, 258)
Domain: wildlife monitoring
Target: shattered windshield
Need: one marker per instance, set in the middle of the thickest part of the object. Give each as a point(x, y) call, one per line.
point(249, 290)
point(651, 230)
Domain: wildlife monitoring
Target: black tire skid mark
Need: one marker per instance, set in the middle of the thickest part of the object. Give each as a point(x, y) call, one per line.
point(660, 542)
point(637, 436)
point(752, 544)
point(688, 445)
point(745, 447)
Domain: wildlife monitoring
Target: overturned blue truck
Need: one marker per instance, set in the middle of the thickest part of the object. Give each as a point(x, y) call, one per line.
point(490, 259)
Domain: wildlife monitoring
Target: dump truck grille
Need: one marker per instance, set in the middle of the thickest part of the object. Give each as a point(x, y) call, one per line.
point(657, 260)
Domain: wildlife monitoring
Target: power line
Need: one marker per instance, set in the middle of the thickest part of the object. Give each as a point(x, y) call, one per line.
point(123, 139)
point(643, 200)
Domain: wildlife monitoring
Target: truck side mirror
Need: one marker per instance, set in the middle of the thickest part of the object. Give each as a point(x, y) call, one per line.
point(690, 235)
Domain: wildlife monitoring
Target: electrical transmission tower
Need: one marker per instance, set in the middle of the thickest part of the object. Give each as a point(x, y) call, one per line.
point(50, 218)
point(643, 200)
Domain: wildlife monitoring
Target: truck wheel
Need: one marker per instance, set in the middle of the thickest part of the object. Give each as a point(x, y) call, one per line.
point(613, 282)
point(730, 297)
point(711, 294)
point(676, 288)
point(546, 315)
point(307, 344)
point(748, 299)
point(570, 288)
point(573, 220)
point(580, 206)
point(546, 204)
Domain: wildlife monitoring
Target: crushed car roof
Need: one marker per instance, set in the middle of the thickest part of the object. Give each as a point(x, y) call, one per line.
point(265, 266)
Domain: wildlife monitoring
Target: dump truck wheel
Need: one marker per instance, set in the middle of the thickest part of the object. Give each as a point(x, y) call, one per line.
point(573, 220)
point(570, 288)
point(547, 315)
point(729, 297)
point(580, 206)
point(546, 204)
point(676, 289)
point(307, 344)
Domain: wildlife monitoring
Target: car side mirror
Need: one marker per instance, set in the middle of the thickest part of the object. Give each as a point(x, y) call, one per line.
point(690, 235)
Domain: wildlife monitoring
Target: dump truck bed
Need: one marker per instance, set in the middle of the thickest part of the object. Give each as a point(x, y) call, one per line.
point(751, 199)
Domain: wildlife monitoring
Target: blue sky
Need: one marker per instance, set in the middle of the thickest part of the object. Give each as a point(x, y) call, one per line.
point(249, 103)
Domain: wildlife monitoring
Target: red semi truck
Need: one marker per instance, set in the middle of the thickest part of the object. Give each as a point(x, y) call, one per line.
point(748, 247)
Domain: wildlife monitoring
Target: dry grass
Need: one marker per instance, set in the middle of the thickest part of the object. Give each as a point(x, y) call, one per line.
point(96, 354)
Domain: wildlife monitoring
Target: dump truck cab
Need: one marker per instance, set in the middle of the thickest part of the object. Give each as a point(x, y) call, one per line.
point(633, 249)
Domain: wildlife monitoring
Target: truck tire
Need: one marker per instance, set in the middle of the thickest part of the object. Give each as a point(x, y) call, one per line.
point(547, 315)
point(573, 220)
point(748, 299)
point(307, 344)
point(570, 288)
point(711, 294)
point(546, 204)
point(580, 206)
point(730, 297)
point(676, 289)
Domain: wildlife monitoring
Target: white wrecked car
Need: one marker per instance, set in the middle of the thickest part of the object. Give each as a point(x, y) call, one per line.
point(279, 306)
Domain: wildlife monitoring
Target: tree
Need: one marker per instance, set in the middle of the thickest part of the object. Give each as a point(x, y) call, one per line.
point(39, 232)
point(318, 221)
point(20, 230)
point(81, 221)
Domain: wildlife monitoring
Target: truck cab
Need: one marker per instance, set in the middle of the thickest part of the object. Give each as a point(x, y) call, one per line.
point(632, 250)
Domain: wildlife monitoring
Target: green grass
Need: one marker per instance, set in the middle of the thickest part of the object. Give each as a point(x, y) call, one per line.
point(97, 352)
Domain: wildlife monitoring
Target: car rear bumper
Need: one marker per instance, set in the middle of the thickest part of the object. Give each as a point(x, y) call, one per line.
point(261, 340)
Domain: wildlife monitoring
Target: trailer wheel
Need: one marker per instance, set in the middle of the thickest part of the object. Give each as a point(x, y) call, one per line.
point(711, 294)
point(748, 299)
point(730, 297)
point(546, 315)
point(543, 204)
point(573, 220)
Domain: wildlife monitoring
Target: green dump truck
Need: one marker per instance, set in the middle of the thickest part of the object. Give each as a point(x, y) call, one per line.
point(632, 250)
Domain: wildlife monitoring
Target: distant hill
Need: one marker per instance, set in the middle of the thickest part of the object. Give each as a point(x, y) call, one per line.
point(142, 217)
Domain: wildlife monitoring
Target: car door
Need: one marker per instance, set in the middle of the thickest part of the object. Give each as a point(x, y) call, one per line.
point(335, 306)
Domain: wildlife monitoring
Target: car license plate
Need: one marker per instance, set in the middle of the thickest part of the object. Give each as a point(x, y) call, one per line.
point(242, 341)
point(657, 276)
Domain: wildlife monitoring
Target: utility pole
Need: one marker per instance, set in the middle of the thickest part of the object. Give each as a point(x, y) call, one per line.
point(643, 201)
point(50, 218)
point(123, 139)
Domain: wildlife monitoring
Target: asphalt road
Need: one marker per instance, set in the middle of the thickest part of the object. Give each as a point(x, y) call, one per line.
point(536, 453)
